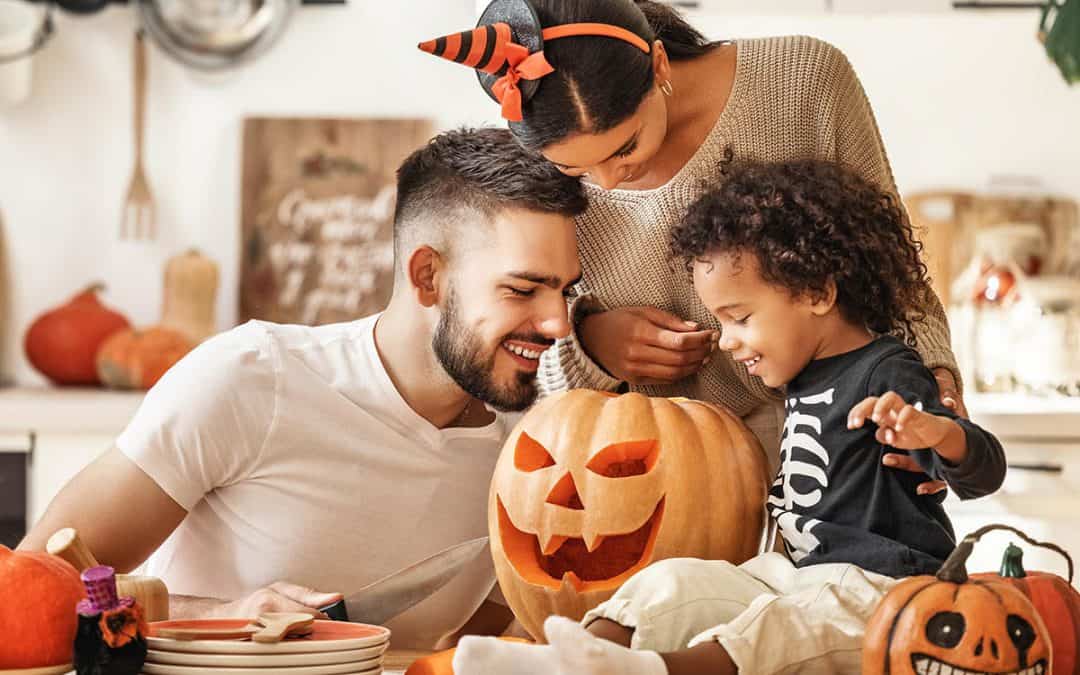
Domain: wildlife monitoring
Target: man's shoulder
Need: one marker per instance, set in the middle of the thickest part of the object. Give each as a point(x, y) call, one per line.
point(274, 341)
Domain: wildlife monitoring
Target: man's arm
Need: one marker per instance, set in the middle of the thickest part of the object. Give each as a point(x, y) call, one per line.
point(119, 512)
point(122, 516)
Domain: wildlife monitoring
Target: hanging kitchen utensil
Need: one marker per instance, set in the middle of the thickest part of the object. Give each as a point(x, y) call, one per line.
point(140, 213)
point(215, 34)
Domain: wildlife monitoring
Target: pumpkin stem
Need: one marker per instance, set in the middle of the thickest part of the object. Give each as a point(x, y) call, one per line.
point(954, 570)
point(1012, 563)
point(954, 565)
point(94, 288)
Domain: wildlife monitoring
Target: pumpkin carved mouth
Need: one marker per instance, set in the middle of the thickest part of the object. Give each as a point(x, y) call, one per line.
point(613, 559)
point(928, 665)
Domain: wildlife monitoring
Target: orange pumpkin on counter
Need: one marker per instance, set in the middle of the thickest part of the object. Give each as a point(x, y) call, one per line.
point(950, 623)
point(592, 487)
point(62, 343)
point(136, 359)
point(37, 613)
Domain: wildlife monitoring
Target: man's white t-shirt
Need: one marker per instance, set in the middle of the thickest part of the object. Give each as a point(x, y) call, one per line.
point(297, 459)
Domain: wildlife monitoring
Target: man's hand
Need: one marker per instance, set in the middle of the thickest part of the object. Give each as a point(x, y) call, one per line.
point(280, 596)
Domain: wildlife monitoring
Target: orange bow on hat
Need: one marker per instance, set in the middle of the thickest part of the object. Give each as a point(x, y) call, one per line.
point(520, 65)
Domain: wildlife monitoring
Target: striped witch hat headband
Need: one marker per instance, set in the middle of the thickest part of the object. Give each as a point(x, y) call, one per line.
point(507, 50)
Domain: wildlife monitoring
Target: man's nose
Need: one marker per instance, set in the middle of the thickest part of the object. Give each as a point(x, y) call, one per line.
point(554, 323)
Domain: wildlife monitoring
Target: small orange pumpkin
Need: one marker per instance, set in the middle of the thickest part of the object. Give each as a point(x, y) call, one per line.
point(1056, 600)
point(592, 487)
point(37, 613)
point(62, 342)
point(136, 359)
point(950, 623)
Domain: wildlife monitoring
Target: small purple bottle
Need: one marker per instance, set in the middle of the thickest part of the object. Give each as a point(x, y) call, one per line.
point(111, 635)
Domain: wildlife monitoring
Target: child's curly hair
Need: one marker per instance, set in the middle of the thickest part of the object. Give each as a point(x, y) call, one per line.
point(809, 222)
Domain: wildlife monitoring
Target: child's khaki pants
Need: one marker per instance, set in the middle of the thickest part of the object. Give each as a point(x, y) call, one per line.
point(770, 616)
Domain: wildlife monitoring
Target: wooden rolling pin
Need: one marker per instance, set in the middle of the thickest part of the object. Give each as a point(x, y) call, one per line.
point(149, 592)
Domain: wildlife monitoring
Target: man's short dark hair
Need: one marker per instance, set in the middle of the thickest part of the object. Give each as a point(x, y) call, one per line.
point(466, 175)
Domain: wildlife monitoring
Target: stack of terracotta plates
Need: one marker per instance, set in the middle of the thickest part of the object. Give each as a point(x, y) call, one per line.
point(333, 648)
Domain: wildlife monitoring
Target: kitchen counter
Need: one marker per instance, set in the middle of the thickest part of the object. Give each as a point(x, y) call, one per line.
point(1026, 416)
point(91, 410)
point(395, 662)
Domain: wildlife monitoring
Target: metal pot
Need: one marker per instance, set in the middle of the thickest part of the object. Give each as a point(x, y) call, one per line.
point(215, 34)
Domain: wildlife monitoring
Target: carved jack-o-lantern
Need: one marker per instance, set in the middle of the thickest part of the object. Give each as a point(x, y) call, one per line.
point(592, 487)
point(950, 623)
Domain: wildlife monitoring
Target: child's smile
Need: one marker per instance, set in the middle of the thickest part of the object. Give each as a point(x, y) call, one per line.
point(771, 331)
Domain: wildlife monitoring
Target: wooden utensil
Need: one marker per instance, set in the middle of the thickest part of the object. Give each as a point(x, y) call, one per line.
point(276, 625)
point(269, 627)
point(188, 634)
point(140, 212)
point(150, 592)
point(66, 544)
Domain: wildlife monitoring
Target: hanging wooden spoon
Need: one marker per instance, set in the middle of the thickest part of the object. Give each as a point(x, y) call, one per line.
point(276, 625)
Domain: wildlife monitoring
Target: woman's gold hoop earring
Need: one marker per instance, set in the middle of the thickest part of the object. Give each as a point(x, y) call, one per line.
point(666, 87)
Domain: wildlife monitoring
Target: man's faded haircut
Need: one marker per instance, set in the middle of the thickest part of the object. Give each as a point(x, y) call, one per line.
point(464, 178)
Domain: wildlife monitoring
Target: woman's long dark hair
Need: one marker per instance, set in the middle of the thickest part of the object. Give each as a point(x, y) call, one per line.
point(599, 82)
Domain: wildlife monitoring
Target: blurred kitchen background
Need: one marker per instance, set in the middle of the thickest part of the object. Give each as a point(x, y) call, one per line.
point(981, 129)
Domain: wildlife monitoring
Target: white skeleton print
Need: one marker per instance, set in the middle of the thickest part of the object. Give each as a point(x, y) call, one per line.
point(798, 426)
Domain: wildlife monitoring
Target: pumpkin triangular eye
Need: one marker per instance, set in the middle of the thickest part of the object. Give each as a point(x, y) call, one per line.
point(529, 455)
point(632, 458)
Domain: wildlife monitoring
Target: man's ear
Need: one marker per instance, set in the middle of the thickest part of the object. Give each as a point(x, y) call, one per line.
point(424, 269)
point(825, 302)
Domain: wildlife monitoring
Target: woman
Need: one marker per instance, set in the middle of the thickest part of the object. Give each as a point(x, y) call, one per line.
point(648, 127)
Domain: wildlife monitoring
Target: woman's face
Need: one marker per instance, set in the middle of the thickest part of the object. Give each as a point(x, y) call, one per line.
point(618, 155)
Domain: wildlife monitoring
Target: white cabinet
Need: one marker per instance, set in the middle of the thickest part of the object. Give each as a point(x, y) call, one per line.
point(56, 459)
point(69, 428)
point(731, 7)
point(1041, 493)
point(889, 6)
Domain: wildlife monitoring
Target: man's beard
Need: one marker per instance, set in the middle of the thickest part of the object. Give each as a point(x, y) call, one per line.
point(461, 354)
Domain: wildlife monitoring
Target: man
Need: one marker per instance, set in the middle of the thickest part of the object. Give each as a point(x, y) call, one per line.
point(330, 456)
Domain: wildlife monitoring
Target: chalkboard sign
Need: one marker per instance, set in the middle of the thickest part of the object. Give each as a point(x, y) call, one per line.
point(317, 216)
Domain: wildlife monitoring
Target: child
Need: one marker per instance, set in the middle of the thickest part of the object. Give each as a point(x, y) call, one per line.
point(811, 272)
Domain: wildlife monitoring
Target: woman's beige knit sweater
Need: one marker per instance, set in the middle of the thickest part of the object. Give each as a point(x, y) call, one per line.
point(793, 97)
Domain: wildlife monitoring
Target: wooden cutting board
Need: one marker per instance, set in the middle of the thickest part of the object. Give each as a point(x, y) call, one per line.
point(317, 216)
point(397, 660)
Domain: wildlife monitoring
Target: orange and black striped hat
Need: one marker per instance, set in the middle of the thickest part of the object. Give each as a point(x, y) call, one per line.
point(507, 50)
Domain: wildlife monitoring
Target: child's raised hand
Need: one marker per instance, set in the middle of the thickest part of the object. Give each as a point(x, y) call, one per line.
point(900, 424)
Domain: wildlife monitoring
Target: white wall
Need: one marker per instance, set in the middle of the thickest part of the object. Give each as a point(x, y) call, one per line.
point(959, 97)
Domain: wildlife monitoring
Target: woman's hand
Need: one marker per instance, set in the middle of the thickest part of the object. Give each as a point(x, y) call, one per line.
point(645, 345)
point(950, 392)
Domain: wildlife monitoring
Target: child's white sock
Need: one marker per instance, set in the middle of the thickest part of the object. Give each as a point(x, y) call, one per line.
point(572, 651)
point(579, 652)
point(492, 656)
